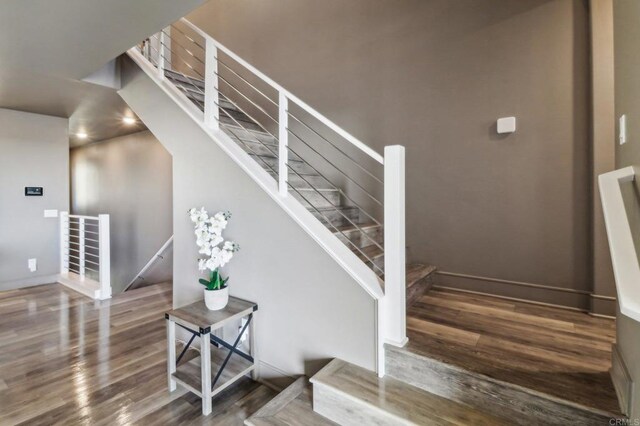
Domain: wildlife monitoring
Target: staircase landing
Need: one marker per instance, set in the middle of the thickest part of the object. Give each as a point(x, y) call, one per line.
point(559, 358)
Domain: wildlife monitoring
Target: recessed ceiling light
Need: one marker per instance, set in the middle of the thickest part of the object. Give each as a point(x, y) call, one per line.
point(82, 135)
point(129, 120)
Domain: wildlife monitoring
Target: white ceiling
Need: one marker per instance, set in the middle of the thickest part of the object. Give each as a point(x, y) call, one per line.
point(48, 46)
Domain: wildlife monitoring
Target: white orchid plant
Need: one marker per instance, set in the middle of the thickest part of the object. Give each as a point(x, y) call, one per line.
point(212, 245)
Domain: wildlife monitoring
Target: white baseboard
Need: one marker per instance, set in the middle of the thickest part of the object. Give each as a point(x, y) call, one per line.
point(29, 282)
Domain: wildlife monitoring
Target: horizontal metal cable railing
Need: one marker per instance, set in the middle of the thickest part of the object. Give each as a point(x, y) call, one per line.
point(85, 249)
point(354, 191)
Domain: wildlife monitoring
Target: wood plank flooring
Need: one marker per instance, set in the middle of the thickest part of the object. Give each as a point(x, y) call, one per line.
point(66, 359)
point(561, 353)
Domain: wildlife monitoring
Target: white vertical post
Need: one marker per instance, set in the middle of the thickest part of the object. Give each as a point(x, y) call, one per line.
point(81, 240)
point(394, 246)
point(104, 247)
point(211, 94)
point(171, 353)
point(205, 372)
point(283, 139)
point(253, 352)
point(64, 242)
point(161, 53)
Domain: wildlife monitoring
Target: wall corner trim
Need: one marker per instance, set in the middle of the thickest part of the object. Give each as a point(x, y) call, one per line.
point(622, 381)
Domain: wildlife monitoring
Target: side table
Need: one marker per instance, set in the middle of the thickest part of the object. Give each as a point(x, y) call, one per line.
point(220, 363)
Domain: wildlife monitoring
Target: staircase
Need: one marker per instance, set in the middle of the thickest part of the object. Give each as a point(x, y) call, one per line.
point(418, 388)
point(355, 228)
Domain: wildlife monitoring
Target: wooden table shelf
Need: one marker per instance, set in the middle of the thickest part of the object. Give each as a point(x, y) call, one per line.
point(225, 363)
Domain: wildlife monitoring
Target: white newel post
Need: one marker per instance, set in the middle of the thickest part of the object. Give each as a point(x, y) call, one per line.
point(64, 242)
point(82, 248)
point(283, 139)
point(211, 93)
point(104, 248)
point(394, 246)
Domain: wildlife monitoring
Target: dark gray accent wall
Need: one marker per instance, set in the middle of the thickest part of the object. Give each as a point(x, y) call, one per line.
point(129, 178)
point(627, 101)
point(34, 151)
point(435, 75)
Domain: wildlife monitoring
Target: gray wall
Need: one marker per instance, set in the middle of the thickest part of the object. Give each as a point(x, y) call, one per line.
point(627, 101)
point(310, 309)
point(34, 151)
point(434, 75)
point(130, 178)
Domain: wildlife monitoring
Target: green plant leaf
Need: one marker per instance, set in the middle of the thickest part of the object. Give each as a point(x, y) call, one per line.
point(204, 282)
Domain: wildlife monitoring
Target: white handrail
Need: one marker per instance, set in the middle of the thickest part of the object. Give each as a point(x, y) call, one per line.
point(79, 216)
point(624, 257)
point(321, 118)
point(151, 262)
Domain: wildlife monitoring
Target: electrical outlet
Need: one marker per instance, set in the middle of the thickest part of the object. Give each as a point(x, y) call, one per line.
point(33, 265)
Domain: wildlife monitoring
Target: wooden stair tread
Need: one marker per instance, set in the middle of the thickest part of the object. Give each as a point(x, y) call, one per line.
point(499, 341)
point(406, 403)
point(293, 406)
point(361, 226)
point(417, 272)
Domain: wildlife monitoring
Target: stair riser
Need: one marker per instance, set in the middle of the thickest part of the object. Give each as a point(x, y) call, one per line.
point(260, 148)
point(250, 135)
point(240, 120)
point(272, 163)
point(419, 289)
point(306, 181)
point(492, 397)
point(358, 237)
point(335, 218)
point(310, 198)
point(348, 411)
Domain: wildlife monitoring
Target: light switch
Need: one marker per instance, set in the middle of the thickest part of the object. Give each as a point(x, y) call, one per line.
point(506, 125)
point(622, 129)
point(33, 265)
point(51, 213)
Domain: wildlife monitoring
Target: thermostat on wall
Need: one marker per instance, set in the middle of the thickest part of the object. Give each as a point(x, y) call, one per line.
point(33, 191)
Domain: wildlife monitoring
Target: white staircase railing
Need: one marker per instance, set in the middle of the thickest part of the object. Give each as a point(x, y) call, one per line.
point(624, 257)
point(192, 66)
point(155, 259)
point(85, 254)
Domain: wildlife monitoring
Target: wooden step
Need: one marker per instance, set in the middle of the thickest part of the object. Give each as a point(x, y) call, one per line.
point(419, 281)
point(351, 395)
point(316, 198)
point(362, 235)
point(517, 404)
point(292, 406)
point(270, 163)
point(371, 255)
point(334, 217)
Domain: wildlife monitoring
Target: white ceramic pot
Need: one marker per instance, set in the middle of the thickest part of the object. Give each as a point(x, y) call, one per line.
point(216, 299)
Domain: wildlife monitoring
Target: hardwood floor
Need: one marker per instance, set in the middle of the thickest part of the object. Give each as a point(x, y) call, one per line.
point(65, 359)
point(561, 353)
